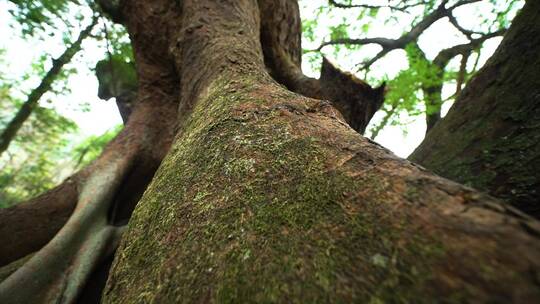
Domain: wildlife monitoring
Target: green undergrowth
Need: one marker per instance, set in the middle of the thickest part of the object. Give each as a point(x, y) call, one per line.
point(246, 208)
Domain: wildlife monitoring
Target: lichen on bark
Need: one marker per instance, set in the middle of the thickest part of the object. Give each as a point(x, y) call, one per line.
point(266, 210)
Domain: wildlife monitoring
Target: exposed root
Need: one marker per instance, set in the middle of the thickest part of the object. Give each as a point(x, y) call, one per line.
point(58, 272)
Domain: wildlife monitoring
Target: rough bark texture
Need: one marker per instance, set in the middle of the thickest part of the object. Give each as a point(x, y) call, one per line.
point(145, 139)
point(490, 138)
point(265, 195)
point(102, 197)
point(269, 196)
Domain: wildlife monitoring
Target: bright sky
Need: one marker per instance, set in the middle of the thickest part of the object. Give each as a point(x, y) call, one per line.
point(104, 115)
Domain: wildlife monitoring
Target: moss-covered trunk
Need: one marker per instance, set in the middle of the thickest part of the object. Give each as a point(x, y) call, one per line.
point(268, 196)
point(490, 139)
point(264, 196)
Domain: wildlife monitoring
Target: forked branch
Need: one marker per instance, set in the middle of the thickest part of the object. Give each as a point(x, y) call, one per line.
point(412, 35)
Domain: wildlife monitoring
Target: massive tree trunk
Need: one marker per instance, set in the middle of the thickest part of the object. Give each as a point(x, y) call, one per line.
point(490, 138)
point(269, 196)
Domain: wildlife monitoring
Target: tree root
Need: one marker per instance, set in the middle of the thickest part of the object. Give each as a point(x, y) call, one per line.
point(58, 272)
point(146, 138)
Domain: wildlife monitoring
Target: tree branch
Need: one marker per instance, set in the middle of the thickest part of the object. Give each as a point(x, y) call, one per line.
point(389, 45)
point(446, 55)
point(369, 6)
point(8, 134)
point(354, 98)
point(383, 42)
point(30, 225)
point(470, 142)
point(468, 33)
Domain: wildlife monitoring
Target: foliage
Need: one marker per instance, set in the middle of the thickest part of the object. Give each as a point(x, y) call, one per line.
point(46, 141)
point(36, 160)
point(405, 72)
point(39, 17)
point(405, 89)
point(43, 152)
point(91, 147)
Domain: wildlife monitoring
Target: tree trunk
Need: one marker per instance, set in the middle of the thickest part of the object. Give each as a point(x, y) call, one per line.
point(265, 195)
point(8, 134)
point(269, 196)
point(490, 138)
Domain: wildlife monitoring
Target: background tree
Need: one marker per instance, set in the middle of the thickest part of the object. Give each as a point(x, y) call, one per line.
point(26, 109)
point(31, 166)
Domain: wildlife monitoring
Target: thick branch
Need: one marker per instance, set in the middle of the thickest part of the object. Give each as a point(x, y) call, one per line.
point(389, 45)
point(145, 139)
point(30, 225)
point(59, 270)
point(267, 196)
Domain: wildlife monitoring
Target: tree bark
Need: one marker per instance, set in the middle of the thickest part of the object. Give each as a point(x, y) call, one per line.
point(269, 196)
point(490, 138)
point(102, 196)
point(8, 134)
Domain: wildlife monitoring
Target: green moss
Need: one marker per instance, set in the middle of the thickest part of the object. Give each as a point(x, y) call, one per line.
point(247, 208)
